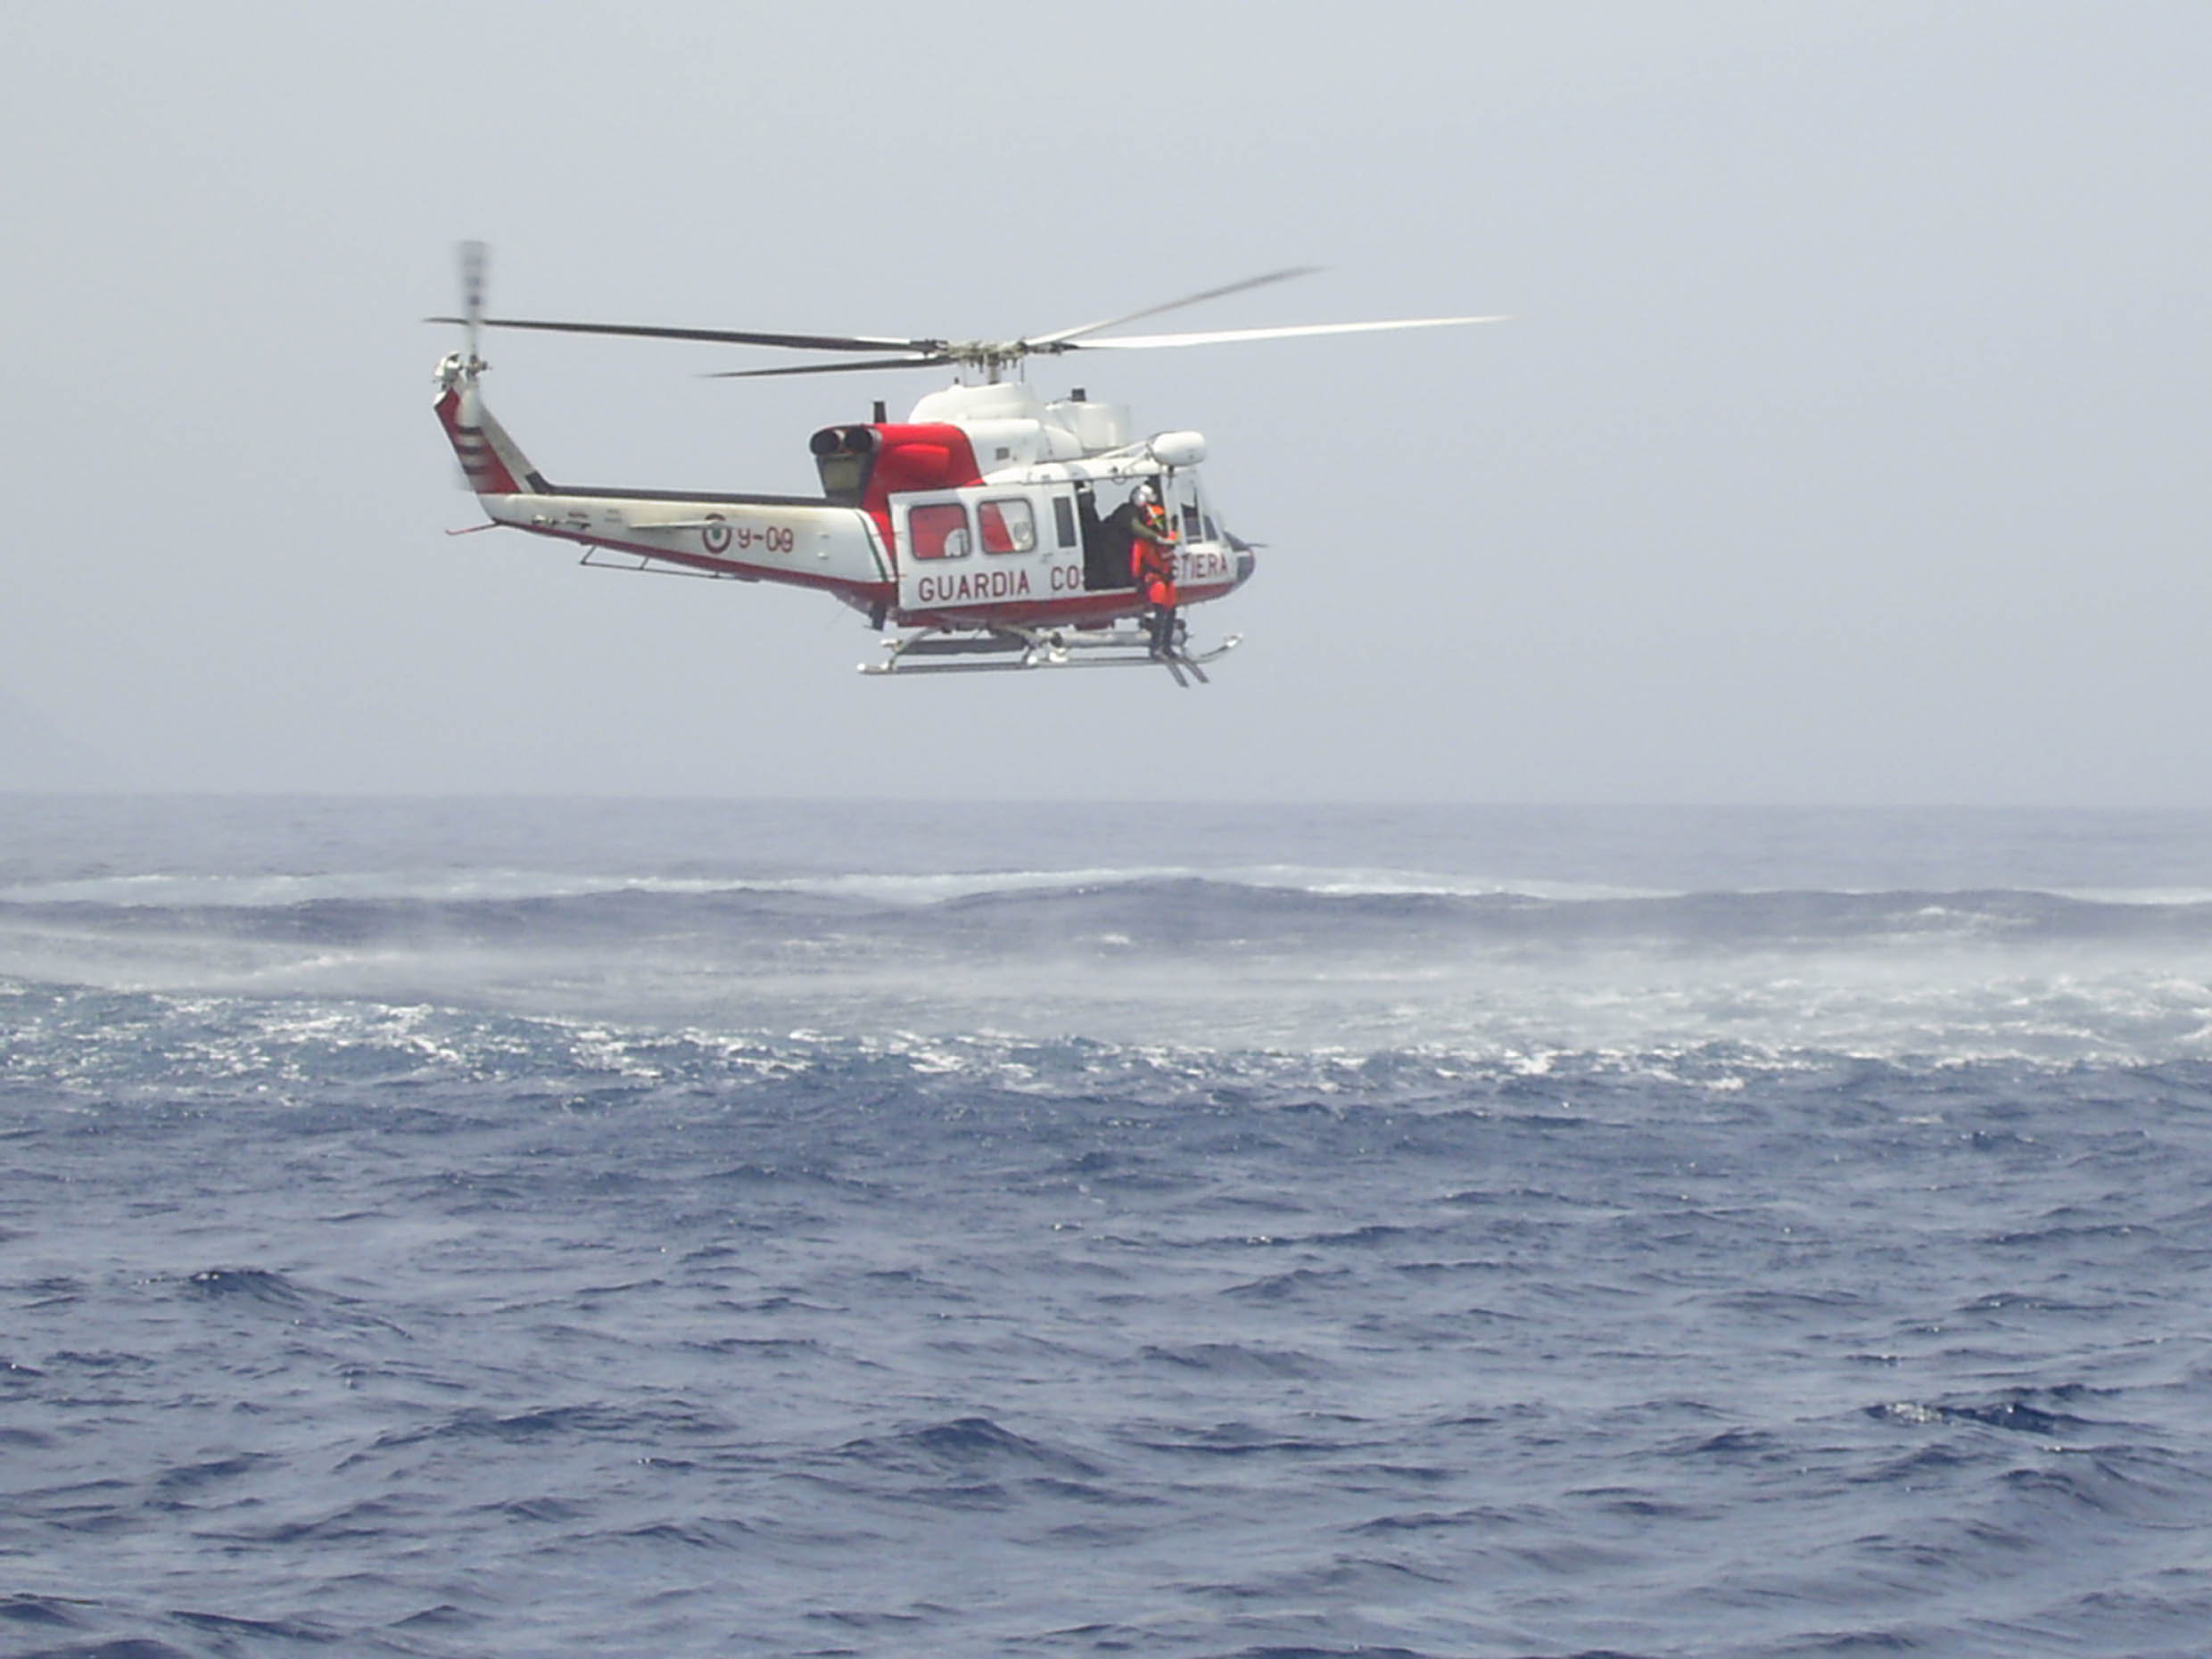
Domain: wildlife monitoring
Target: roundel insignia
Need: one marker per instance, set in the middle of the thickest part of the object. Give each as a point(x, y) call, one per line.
point(716, 535)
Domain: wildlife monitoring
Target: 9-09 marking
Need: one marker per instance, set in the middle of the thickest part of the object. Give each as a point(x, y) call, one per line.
point(718, 537)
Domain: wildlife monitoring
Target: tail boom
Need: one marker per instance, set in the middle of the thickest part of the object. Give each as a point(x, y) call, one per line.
point(799, 542)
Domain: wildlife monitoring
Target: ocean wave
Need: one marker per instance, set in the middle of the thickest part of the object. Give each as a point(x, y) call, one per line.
point(191, 890)
point(1277, 902)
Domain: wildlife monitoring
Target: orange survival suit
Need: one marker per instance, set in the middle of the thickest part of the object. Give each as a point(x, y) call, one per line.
point(1152, 570)
point(1151, 555)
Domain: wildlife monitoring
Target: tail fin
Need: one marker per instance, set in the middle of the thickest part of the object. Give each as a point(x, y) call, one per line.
point(488, 457)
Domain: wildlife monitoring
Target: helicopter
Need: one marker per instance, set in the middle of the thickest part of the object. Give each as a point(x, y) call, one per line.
point(973, 526)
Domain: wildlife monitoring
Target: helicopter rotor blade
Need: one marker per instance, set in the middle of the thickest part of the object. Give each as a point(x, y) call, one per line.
point(831, 368)
point(1143, 343)
point(1077, 332)
point(995, 355)
point(726, 336)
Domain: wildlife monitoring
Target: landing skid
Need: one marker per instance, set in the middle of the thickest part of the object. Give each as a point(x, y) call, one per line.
point(1021, 649)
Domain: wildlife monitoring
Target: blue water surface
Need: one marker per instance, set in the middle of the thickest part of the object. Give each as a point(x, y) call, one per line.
point(458, 1227)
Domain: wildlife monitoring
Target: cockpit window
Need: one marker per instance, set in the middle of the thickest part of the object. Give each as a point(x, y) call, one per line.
point(1188, 509)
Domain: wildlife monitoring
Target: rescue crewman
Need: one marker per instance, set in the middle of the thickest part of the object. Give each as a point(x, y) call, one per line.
point(1151, 564)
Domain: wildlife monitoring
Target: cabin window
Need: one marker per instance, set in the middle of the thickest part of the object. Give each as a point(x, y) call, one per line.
point(1064, 520)
point(938, 530)
point(1008, 526)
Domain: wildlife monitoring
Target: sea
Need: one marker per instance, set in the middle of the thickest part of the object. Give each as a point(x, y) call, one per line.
point(458, 1227)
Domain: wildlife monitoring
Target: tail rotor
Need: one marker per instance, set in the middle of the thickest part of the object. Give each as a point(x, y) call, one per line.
point(473, 257)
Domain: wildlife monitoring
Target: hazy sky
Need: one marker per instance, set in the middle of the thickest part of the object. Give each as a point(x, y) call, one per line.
point(1848, 443)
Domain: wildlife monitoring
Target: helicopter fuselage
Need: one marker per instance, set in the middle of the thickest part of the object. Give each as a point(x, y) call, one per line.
point(986, 509)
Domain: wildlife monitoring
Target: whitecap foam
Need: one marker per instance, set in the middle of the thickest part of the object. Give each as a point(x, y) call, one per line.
point(2174, 897)
point(189, 890)
point(270, 891)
